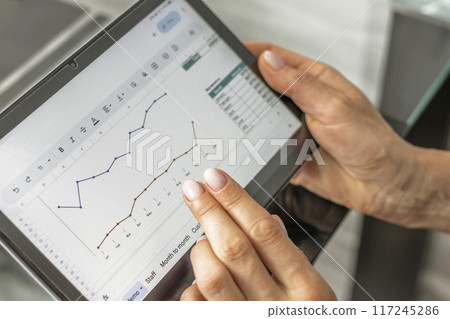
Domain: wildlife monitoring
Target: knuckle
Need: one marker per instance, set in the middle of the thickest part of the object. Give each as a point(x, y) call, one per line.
point(339, 101)
point(323, 70)
point(305, 82)
point(265, 231)
point(214, 284)
point(205, 208)
point(234, 250)
point(302, 81)
point(232, 198)
point(336, 110)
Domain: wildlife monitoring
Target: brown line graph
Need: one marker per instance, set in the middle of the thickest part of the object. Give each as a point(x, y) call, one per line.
point(130, 215)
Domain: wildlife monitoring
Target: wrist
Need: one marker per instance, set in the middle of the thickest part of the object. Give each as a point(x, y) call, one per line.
point(434, 182)
point(420, 195)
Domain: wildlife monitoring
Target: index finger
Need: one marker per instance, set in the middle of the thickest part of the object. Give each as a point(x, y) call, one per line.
point(229, 243)
point(276, 250)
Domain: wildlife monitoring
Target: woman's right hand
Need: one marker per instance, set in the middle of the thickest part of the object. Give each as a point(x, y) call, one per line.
point(368, 167)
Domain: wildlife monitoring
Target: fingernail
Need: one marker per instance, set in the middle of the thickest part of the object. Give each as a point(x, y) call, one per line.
point(194, 282)
point(215, 179)
point(280, 222)
point(202, 237)
point(274, 60)
point(192, 190)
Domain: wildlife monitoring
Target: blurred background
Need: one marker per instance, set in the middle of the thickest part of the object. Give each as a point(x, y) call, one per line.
point(397, 52)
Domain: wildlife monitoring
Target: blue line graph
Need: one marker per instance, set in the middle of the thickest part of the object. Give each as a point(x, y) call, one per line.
point(130, 134)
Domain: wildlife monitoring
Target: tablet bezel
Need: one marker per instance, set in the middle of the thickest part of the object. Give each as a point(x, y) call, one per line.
point(270, 177)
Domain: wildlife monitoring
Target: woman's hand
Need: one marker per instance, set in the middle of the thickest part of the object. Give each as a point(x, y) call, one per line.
point(368, 167)
point(247, 254)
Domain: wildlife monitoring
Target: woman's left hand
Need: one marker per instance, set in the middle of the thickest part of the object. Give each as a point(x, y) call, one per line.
point(246, 253)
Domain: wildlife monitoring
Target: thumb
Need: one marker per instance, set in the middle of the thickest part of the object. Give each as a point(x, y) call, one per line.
point(309, 93)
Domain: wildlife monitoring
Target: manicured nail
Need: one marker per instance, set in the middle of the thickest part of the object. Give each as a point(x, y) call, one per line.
point(202, 237)
point(192, 190)
point(215, 179)
point(274, 60)
point(280, 222)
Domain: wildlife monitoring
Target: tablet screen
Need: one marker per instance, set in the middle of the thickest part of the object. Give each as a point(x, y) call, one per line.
point(93, 177)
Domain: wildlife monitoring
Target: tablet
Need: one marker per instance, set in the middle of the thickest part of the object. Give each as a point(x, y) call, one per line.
point(92, 159)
